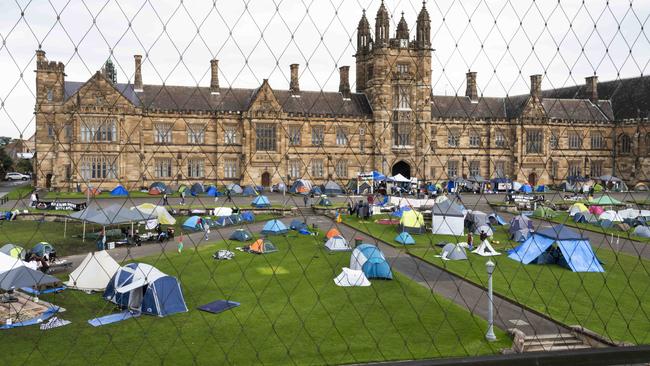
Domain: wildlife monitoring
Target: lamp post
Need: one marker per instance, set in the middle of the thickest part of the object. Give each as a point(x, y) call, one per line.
point(489, 266)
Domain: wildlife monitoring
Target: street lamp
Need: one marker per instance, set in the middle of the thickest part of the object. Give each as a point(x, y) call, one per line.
point(489, 266)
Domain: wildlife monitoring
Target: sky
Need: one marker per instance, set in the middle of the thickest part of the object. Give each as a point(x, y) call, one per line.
point(504, 41)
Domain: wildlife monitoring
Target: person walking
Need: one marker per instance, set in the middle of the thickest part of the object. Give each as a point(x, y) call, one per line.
point(206, 229)
point(165, 201)
point(305, 199)
point(470, 241)
point(182, 197)
point(33, 200)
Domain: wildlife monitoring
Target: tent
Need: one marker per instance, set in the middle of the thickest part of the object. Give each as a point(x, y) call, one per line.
point(150, 211)
point(571, 250)
point(212, 192)
point(337, 244)
point(14, 274)
point(261, 202)
point(453, 252)
point(630, 213)
point(496, 220)
point(577, 207)
point(412, 222)
point(370, 259)
point(596, 210)
point(159, 185)
point(332, 233)
point(262, 246)
point(605, 201)
point(301, 186)
point(114, 214)
point(234, 188)
point(476, 219)
point(526, 188)
point(598, 188)
point(606, 224)
point(541, 188)
point(119, 191)
point(350, 277)
point(193, 223)
point(520, 228)
point(44, 249)
point(405, 238)
point(197, 189)
point(155, 191)
point(222, 211)
point(297, 225)
point(274, 227)
point(610, 215)
point(241, 235)
point(642, 231)
point(544, 212)
point(14, 251)
point(609, 178)
point(485, 249)
point(142, 287)
point(447, 218)
point(400, 211)
point(324, 201)
point(315, 190)
point(250, 191)
point(332, 188)
point(304, 231)
point(398, 178)
point(641, 187)
point(94, 272)
point(585, 217)
point(248, 216)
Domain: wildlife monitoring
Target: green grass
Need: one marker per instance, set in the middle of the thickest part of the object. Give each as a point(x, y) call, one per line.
point(564, 218)
point(615, 304)
point(28, 233)
point(103, 195)
point(20, 192)
point(291, 313)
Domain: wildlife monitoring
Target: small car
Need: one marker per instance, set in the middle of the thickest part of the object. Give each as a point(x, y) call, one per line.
point(16, 176)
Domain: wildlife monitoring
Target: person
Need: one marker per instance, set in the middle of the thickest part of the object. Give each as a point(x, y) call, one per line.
point(470, 241)
point(483, 236)
point(305, 199)
point(101, 241)
point(165, 201)
point(183, 197)
point(206, 229)
point(33, 200)
point(228, 196)
point(349, 209)
point(370, 199)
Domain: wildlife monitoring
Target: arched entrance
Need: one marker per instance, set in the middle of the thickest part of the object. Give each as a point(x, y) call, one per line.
point(266, 179)
point(48, 181)
point(403, 168)
point(532, 179)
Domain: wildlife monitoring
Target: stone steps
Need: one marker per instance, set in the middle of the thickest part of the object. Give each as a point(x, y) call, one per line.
point(553, 342)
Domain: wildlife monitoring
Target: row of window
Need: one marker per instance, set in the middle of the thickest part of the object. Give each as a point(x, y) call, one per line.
point(317, 168)
point(163, 168)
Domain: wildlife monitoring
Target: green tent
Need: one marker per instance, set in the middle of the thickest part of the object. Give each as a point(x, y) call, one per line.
point(544, 212)
point(605, 201)
point(598, 188)
point(182, 188)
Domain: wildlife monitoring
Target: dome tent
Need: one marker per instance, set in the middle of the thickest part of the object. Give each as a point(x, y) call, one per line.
point(370, 259)
point(453, 252)
point(350, 277)
point(142, 287)
point(412, 222)
point(43, 249)
point(197, 189)
point(14, 251)
point(337, 244)
point(262, 246)
point(576, 208)
point(162, 187)
point(324, 201)
point(248, 216)
point(193, 223)
point(261, 202)
point(404, 238)
point(297, 225)
point(332, 188)
point(250, 191)
point(241, 235)
point(332, 233)
point(274, 227)
point(642, 231)
point(520, 228)
point(234, 189)
point(119, 190)
point(301, 186)
point(212, 192)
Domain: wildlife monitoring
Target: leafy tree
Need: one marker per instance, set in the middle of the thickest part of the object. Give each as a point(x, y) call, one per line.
point(5, 162)
point(24, 166)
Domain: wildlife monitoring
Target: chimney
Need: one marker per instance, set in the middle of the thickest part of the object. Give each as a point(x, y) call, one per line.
point(214, 79)
point(471, 91)
point(137, 83)
point(344, 82)
point(536, 87)
point(294, 86)
point(40, 55)
point(592, 88)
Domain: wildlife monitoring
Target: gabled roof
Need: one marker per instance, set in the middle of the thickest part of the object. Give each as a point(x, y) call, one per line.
point(565, 109)
point(463, 107)
point(70, 88)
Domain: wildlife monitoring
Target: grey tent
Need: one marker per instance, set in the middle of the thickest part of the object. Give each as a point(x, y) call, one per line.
point(642, 231)
point(453, 252)
point(297, 225)
point(197, 188)
point(520, 228)
point(111, 215)
point(13, 250)
point(234, 188)
point(332, 188)
point(241, 235)
point(15, 274)
point(475, 220)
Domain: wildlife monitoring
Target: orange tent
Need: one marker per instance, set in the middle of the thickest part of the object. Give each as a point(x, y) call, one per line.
point(332, 233)
point(261, 246)
point(155, 191)
point(93, 191)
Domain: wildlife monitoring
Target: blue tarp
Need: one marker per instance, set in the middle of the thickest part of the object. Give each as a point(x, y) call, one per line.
point(274, 227)
point(119, 191)
point(304, 231)
point(405, 238)
point(218, 306)
point(261, 201)
point(248, 216)
point(541, 188)
point(193, 223)
point(37, 320)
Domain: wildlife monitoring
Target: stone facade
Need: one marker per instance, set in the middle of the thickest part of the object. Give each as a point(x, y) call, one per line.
point(101, 133)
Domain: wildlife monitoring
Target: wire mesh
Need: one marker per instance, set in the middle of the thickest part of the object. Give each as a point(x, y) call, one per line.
point(322, 182)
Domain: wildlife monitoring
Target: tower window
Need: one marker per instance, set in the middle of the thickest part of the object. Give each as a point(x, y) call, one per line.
point(50, 94)
point(402, 68)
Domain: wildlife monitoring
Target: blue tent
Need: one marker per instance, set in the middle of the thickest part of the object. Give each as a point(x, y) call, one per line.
point(400, 211)
point(119, 191)
point(249, 191)
point(572, 250)
point(143, 287)
point(212, 191)
point(526, 188)
point(297, 225)
point(316, 190)
point(261, 201)
point(274, 227)
point(225, 221)
point(371, 261)
point(193, 223)
point(248, 216)
point(405, 238)
point(241, 235)
point(541, 188)
point(378, 176)
point(495, 219)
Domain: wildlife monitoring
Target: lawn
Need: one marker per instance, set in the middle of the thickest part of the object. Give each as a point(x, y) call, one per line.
point(20, 192)
point(564, 218)
point(291, 313)
point(615, 304)
point(28, 233)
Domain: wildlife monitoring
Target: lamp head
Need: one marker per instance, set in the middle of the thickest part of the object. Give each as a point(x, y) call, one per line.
point(489, 266)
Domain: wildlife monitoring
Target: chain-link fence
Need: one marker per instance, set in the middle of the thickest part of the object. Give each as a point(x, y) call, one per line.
point(324, 182)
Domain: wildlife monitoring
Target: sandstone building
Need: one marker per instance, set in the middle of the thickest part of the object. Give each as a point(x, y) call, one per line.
point(101, 132)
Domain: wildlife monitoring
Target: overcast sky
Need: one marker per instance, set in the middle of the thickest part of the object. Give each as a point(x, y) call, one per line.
point(504, 41)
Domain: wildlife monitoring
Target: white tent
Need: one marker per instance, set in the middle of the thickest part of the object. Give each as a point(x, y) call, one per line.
point(94, 272)
point(222, 211)
point(337, 243)
point(610, 215)
point(485, 250)
point(151, 211)
point(447, 218)
point(350, 277)
point(453, 252)
point(8, 263)
point(630, 213)
point(399, 179)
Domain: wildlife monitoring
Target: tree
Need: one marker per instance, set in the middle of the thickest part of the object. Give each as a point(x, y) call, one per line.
point(24, 166)
point(6, 164)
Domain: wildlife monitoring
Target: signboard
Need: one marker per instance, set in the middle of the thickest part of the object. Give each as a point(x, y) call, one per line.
point(60, 206)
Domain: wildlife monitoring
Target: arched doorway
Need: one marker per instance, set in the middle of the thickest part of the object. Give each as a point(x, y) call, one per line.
point(532, 179)
point(403, 168)
point(266, 179)
point(48, 181)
